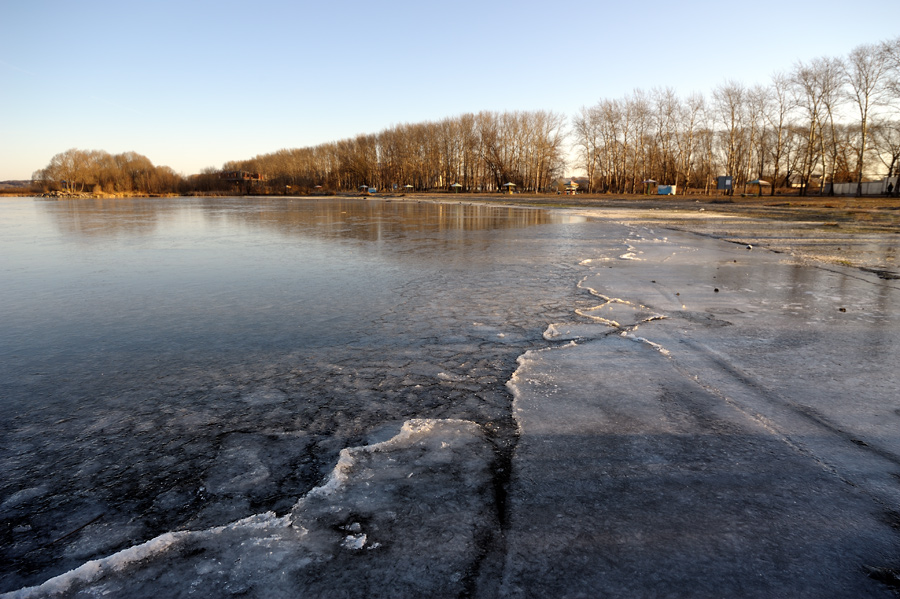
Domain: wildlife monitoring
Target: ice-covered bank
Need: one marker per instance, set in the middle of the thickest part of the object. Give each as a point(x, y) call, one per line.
point(405, 517)
point(731, 431)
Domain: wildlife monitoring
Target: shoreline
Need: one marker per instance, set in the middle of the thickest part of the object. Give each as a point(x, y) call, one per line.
point(846, 231)
point(859, 233)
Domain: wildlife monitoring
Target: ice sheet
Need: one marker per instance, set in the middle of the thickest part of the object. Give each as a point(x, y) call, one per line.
point(182, 363)
point(725, 448)
point(704, 420)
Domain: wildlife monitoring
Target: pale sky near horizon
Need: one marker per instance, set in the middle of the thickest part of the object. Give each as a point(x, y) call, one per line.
point(193, 84)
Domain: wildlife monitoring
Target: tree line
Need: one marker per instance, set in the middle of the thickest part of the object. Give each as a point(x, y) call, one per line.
point(96, 171)
point(825, 121)
point(476, 152)
point(829, 120)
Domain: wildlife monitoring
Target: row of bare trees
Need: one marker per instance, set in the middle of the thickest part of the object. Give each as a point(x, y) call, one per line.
point(829, 120)
point(75, 171)
point(481, 151)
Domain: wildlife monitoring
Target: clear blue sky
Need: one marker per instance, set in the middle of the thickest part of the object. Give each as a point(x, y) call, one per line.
point(194, 83)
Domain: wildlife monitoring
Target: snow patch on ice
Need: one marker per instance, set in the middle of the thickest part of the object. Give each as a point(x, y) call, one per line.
point(631, 254)
point(22, 496)
point(264, 397)
point(453, 378)
point(551, 332)
point(354, 542)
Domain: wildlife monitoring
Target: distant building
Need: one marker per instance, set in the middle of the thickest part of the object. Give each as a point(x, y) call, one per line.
point(796, 180)
point(869, 188)
point(568, 186)
point(243, 180)
point(665, 190)
point(241, 176)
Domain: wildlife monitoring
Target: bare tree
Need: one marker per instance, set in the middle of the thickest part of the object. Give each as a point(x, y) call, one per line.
point(891, 49)
point(777, 114)
point(617, 130)
point(639, 113)
point(75, 170)
point(666, 107)
point(690, 116)
point(587, 131)
point(756, 106)
point(728, 101)
point(866, 69)
point(831, 80)
point(886, 139)
point(808, 84)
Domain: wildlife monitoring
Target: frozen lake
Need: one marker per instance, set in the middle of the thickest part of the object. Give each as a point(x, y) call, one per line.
point(182, 363)
point(592, 406)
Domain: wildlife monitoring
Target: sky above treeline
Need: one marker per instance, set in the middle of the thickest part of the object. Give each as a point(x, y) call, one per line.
point(193, 84)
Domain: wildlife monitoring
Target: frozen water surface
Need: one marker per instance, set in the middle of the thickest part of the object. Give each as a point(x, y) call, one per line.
point(173, 364)
point(742, 441)
point(330, 397)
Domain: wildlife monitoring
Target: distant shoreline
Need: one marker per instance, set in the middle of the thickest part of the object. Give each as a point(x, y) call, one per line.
point(840, 230)
point(863, 234)
point(845, 231)
point(550, 200)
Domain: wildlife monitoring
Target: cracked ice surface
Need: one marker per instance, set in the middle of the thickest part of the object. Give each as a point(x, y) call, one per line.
point(743, 444)
point(262, 398)
point(181, 364)
point(345, 537)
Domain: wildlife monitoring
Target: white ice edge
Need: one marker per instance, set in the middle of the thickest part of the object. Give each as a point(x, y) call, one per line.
point(513, 383)
point(652, 344)
point(598, 319)
point(92, 571)
point(411, 428)
point(607, 299)
point(557, 329)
